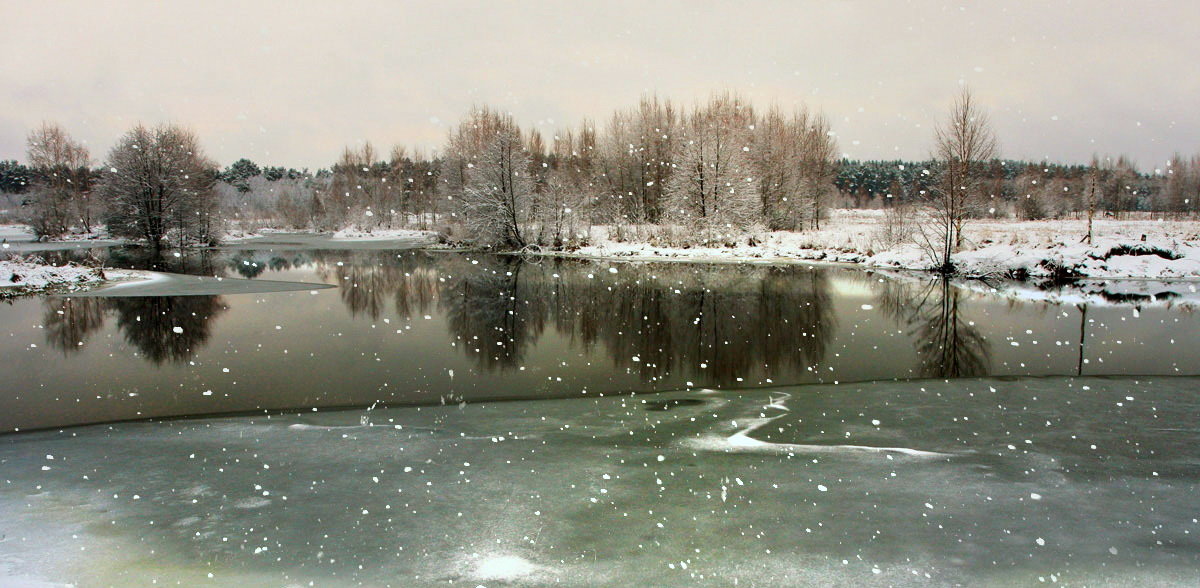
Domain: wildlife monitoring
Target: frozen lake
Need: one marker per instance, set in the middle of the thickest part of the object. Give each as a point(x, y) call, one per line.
point(445, 418)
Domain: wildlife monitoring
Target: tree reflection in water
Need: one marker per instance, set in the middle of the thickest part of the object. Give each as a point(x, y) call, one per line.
point(69, 321)
point(711, 324)
point(148, 323)
point(496, 311)
point(162, 328)
point(167, 328)
point(715, 326)
point(948, 346)
point(369, 278)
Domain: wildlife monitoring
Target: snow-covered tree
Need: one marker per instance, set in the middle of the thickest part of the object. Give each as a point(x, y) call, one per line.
point(499, 192)
point(487, 174)
point(795, 160)
point(634, 159)
point(713, 187)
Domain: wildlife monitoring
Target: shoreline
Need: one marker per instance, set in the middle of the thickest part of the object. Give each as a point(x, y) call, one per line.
point(1043, 254)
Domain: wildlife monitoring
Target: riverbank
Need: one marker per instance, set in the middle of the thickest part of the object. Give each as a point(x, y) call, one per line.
point(24, 277)
point(1146, 249)
point(351, 234)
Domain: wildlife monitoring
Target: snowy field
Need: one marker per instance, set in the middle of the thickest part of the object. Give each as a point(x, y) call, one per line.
point(1077, 481)
point(992, 247)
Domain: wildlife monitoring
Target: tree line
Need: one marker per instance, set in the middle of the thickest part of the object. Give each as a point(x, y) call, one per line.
point(706, 173)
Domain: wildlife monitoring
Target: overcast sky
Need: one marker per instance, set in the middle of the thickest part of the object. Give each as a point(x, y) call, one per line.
point(291, 83)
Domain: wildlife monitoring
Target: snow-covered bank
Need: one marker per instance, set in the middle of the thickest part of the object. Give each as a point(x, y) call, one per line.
point(16, 238)
point(347, 235)
point(1050, 248)
point(356, 234)
point(18, 277)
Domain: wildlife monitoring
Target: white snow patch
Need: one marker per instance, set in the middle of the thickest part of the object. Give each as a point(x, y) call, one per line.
point(992, 247)
point(505, 568)
point(357, 234)
point(30, 276)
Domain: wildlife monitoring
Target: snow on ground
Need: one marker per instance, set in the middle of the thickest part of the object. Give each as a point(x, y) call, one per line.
point(18, 233)
point(993, 247)
point(237, 235)
point(165, 284)
point(14, 232)
point(26, 277)
point(357, 234)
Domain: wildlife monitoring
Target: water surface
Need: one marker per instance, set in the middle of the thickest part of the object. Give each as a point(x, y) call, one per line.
point(438, 418)
point(417, 327)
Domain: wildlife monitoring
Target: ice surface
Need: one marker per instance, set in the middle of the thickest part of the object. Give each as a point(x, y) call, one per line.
point(616, 491)
point(165, 284)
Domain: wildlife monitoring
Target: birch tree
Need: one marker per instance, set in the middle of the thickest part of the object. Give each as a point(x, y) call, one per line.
point(963, 145)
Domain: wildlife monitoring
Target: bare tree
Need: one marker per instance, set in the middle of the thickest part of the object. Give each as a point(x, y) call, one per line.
point(1182, 185)
point(160, 184)
point(963, 145)
point(356, 190)
point(61, 181)
point(777, 157)
point(561, 206)
point(818, 168)
point(714, 188)
point(488, 173)
point(635, 159)
point(1093, 180)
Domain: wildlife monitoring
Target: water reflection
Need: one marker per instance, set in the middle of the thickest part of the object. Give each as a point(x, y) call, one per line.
point(162, 328)
point(497, 312)
point(167, 328)
point(414, 327)
point(748, 322)
point(656, 319)
point(947, 345)
point(199, 262)
point(714, 325)
point(69, 321)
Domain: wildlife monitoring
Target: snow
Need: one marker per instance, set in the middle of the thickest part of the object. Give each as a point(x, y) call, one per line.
point(345, 239)
point(506, 568)
point(18, 237)
point(15, 232)
point(993, 247)
point(26, 277)
point(239, 234)
point(356, 234)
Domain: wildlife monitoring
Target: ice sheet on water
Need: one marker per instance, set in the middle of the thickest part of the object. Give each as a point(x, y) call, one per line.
point(165, 284)
point(576, 493)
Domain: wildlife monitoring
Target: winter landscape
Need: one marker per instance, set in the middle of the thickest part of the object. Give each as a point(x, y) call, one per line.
point(535, 294)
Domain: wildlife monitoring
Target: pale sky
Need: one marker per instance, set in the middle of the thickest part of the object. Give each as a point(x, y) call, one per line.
point(292, 83)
